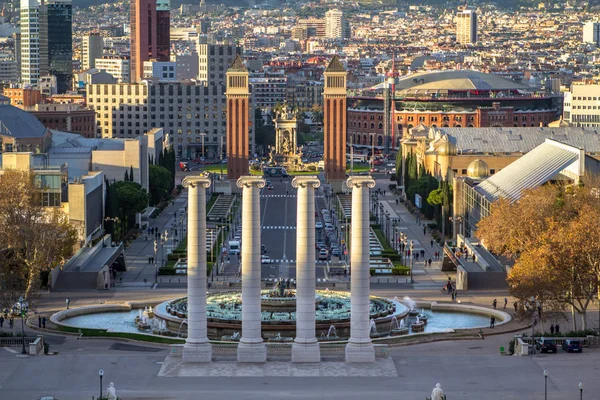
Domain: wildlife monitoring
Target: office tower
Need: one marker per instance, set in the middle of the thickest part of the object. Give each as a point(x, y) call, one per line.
point(334, 123)
point(214, 60)
point(92, 47)
point(17, 53)
point(336, 25)
point(591, 33)
point(466, 27)
point(238, 110)
point(150, 37)
point(59, 16)
point(30, 42)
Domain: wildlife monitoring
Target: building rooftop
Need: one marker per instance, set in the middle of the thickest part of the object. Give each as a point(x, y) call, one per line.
point(519, 140)
point(19, 123)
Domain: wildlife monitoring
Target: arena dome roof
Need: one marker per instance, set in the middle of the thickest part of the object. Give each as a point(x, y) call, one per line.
point(453, 80)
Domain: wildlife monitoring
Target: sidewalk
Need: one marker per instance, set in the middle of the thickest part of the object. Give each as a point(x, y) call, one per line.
point(138, 253)
point(424, 277)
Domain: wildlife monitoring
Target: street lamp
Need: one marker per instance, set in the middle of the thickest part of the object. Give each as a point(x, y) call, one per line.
point(545, 384)
point(23, 310)
point(412, 245)
point(580, 390)
point(101, 374)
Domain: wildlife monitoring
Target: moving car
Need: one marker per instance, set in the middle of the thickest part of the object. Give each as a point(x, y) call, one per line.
point(319, 225)
point(265, 259)
point(270, 187)
point(263, 249)
point(572, 345)
point(323, 254)
point(546, 345)
point(335, 252)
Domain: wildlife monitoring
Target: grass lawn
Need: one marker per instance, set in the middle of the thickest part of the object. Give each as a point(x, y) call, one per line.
point(215, 168)
point(359, 168)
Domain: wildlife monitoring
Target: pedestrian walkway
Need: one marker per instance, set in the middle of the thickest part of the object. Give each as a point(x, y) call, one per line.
point(141, 249)
point(278, 227)
point(424, 276)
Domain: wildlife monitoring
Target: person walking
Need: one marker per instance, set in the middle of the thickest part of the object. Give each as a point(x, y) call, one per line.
point(424, 230)
point(429, 261)
point(516, 305)
point(68, 301)
point(44, 322)
point(492, 321)
point(505, 302)
point(11, 322)
point(556, 329)
point(494, 303)
point(551, 329)
point(39, 321)
point(1, 321)
point(431, 242)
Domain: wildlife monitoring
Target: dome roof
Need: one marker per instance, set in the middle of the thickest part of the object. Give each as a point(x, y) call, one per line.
point(446, 148)
point(478, 169)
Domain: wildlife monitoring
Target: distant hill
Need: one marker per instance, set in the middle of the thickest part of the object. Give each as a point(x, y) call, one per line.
point(174, 3)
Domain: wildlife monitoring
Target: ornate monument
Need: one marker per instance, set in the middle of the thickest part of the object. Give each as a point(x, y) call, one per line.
point(286, 152)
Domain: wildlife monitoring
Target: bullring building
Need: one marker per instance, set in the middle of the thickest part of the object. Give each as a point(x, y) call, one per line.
point(446, 99)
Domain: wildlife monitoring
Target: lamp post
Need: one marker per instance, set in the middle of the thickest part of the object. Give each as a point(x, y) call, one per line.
point(412, 245)
point(101, 374)
point(580, 390)
point(23, 310)
point(545, 384)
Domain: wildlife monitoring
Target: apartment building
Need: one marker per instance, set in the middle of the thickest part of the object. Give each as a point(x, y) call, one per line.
point(189, 113)
point(268, 88)
point(466, 27)
point(119, 68)
point(581, 105)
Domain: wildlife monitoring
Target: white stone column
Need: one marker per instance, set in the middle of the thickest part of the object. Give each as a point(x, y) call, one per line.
point(359, 347)
point(197, 347)
point(251, 347)
point(306, 347)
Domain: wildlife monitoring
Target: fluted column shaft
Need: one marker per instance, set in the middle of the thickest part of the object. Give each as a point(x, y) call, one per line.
point(197, 347)
point(306, 347)
point(251, 348)
point(360, 347)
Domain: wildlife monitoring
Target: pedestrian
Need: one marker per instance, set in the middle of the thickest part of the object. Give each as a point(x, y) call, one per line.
point(39, 321)
point(516, 305)
point(429, 262)
point(11, 322)
point(417, 256)
point(492, 321)
point(422, 253)
point(551, 329)
point(473, 257)
point(494, 303)
point(431, 242)
point(68, 301)
point(1, 321)
point(396, 201)
point(556, 329)
point(44, 322)
point(505, 302)
point(424, 230)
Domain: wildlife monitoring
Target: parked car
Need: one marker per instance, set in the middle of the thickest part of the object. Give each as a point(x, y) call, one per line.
point(265, 259)
point(572, 345)
point(319, 225)
point(546, 345)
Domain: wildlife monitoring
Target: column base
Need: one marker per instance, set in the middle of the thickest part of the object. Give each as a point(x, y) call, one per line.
point(306, 352)
point(197, 353)
point(360, 352)
point(251, 352)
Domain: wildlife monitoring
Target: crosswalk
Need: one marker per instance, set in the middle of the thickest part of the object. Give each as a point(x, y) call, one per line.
point(288, 261)
point(279, 227)
point(278, 195)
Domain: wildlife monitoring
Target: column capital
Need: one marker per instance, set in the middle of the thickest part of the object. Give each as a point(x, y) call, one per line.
point(305, 181)
point(358, 181)
point(249, 180)
point(193, 181)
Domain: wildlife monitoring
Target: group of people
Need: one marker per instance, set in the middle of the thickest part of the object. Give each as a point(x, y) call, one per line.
point(10, 319)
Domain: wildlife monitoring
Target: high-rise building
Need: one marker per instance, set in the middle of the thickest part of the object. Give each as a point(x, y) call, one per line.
point(238, 119)
point(315, 27)
point(92, 47)
point(150, 34)
point(214, 60)
point(59, 23)
point(334, 123)
point(336, 25)
point(30, 42)
point(591, 33)
point(466, 27)
point(46, 41)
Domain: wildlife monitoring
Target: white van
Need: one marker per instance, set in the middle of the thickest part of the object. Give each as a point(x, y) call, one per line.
point(234, 247)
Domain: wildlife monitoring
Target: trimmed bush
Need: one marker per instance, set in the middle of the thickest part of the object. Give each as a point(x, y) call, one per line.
point(166, 271)
point(400, 270)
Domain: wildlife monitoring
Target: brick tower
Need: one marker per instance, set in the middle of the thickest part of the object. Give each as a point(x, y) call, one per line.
point(238, 108)
point(334, 123)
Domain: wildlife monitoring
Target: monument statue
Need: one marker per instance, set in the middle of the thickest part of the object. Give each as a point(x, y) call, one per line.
point(437, 393)
point(111, 392)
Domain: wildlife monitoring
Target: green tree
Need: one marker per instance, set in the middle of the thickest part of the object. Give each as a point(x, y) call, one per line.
point(131, 173)
point(126, 178)
point(131, 199)
point(160, 183)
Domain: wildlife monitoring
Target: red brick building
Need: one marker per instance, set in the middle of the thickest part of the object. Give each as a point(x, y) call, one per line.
point(66, 117)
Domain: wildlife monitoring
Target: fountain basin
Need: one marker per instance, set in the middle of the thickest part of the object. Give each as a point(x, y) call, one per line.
point(417, 326)
point(399, 332)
